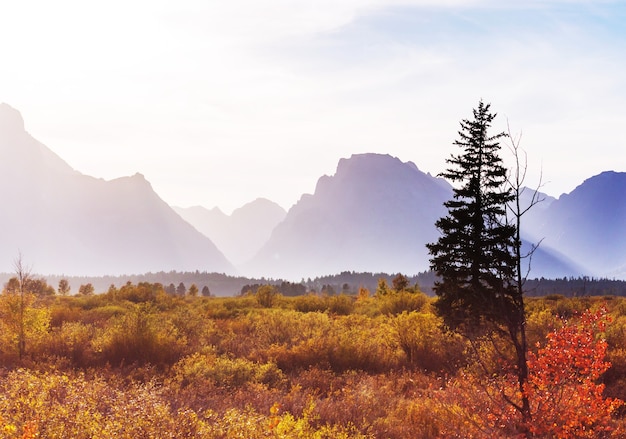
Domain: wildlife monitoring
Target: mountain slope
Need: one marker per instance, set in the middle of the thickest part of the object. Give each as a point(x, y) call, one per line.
point(589, 225)
point(375, 214)
point(239, 235)
point(65, 222)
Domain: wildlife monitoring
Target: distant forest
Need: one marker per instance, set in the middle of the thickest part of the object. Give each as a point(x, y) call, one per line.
point(568, 287)
point(346, 282)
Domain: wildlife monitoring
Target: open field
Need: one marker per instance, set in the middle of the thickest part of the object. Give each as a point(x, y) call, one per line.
point(138, 362)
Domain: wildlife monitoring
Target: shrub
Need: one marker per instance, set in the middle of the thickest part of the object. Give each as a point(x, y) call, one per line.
point(310, 303)
point(563, 377)
point(224, 371)
point(425, 345)
point(341, 304)
point(140, 337)
point(73, 340)
point(266, 296)
point(404, 301)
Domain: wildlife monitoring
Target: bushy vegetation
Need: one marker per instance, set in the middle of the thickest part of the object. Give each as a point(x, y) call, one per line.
point(139, 362)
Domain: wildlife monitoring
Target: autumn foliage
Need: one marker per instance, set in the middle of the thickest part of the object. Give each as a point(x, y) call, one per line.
point(138, 362)
point(563, 385)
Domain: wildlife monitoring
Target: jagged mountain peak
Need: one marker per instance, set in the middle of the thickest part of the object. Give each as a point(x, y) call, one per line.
point(368, 162)
point(374, 175)
point(136, 180)
point(21, 151)
point(375, 213)
point(372, 166)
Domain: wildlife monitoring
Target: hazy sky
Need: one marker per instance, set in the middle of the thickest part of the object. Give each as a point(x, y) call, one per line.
point(220, 102)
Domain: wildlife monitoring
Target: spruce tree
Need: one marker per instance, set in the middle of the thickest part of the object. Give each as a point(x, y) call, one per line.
point(477, 257)
point(474, 257)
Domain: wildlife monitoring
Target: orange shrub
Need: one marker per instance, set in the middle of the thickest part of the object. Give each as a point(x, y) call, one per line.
point(563, 377)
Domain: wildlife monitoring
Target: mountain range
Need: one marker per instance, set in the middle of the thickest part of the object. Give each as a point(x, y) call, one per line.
point(62, 221)
point(375, 214)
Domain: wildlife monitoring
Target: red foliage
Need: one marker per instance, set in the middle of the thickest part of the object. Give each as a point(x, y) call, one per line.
point(563, 387)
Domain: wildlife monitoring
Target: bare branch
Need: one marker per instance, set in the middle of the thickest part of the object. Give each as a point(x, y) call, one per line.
point(22, 271)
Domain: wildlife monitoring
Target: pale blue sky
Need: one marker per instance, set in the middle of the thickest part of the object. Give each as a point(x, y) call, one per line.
point(221, 102)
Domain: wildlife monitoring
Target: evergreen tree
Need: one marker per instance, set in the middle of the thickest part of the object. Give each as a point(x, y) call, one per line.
point(193, 290)
point(400, 283)
point(477, 255)
point(473, 256)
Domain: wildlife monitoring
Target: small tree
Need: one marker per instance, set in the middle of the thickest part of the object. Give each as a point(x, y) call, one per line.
point(363, 294)
point(19, 317)
point(266, 296)
point(64, 287)
point(517, 322)
point(382, 289)
point(23, 278)
point(205, 291)
point(400, 282)
point(40, 288)
point(181, 289)
point(86, 290)
point(193, 290)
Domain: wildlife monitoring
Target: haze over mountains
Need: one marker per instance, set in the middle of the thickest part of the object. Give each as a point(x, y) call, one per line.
point(376, 213)
point(241, 234)
point(588, 225)
point(65, 222)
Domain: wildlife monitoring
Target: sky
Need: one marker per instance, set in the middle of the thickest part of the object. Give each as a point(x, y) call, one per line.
point(219, 102)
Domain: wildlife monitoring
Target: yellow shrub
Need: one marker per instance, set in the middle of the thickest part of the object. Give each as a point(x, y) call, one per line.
point(425, 345)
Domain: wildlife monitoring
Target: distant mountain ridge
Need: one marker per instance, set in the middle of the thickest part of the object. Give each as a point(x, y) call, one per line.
point(65, 222)
point(588, 225)
point(241, 234)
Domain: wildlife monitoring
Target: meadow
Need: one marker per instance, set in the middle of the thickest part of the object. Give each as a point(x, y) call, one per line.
point(138, 362)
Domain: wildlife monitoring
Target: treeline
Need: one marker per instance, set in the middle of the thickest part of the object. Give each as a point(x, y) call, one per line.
point(346, 282)
point(575, 287)
point(218, 284)
point(350, 282)
point(222, 285)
